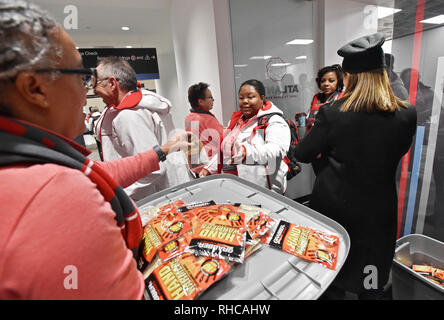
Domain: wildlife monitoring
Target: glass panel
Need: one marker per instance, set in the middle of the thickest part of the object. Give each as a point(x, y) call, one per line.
point(274, 42)
point(414, 32)
point(419, 64)
point(262, 34)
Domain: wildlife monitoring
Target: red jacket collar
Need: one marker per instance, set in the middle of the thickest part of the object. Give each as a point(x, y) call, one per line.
point(237, 114)
point(267, 105)
point(131, 100)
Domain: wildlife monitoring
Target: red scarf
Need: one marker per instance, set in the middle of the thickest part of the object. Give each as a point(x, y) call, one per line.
point(22, 142)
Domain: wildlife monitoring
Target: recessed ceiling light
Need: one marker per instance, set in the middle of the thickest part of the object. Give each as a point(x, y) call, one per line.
point(280, 64)
point(259, 57)
point(301, 57)
point(300, 41)
point(385, 12)
point(125, 28)
point(435, 20)
point(129, 46)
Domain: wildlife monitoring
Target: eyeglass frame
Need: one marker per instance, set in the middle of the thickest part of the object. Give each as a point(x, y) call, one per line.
point(91, 83)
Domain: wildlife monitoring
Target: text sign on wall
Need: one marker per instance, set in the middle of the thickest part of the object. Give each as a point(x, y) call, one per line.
point(143, 60)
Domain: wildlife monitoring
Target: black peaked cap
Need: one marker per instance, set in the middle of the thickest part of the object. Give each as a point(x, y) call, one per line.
point(363, 54)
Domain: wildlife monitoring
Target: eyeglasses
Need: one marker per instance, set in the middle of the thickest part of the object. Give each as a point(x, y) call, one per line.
point(99, 80)
point(89, 75)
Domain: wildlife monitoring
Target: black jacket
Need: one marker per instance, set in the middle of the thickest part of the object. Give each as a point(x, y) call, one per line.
point(356, 186)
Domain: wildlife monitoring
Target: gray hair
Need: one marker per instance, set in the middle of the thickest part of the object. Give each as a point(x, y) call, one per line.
point(25, 41)
point(119, 69)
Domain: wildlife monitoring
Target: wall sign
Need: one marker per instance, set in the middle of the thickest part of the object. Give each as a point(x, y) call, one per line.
point(143, 60)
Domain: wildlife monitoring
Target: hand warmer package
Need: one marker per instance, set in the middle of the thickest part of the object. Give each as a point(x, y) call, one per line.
point(221, 233)
point(184, 277)
point(306, 243)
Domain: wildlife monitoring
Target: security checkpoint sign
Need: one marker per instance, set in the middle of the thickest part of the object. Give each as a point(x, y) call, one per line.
point(143, 60)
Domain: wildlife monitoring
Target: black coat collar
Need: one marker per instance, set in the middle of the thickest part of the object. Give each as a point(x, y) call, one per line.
point(201, 111)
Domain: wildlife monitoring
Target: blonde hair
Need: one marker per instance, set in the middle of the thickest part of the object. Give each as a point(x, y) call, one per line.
point(369, 92)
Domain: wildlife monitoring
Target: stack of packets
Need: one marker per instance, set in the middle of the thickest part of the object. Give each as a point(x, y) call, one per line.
point(434, 274)
point(188, 247)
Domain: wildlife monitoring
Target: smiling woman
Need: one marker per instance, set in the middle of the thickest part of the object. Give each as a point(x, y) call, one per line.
point(330, 82)
point(245, 149)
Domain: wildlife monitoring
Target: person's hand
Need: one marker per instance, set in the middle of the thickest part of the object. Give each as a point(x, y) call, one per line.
point(240, 155)
point(179, 141)
point(196, 145)
point(203, 173)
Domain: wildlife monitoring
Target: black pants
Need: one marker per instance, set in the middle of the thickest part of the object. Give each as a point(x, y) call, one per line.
point(335, 293)
point(99, 148)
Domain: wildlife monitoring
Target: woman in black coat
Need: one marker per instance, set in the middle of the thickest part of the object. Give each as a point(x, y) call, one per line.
point(362, 138)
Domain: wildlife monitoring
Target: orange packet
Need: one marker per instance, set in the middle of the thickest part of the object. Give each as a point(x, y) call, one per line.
point(184, 277)
point(258, 225)
point(219, 241)
point(193, 205)
point(188, 211)
point(170, 281)
point(169, 206)
point(221, 233)
point(151, 212)
point(423, 269)
point(168, 225)
point(175, 247)
point(438, 273)
point(220, 212)
point(306, 243)
point(151, 241)
point(204, 270)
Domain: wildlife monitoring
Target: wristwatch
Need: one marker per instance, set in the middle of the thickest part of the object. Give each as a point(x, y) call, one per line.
point(160, 153)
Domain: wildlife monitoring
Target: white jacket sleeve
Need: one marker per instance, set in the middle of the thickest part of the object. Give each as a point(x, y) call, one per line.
point(134, 132)
point(276, 146)
point(212, 164)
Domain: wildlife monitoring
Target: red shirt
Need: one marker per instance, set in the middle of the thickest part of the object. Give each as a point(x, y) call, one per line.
point(59, 238)
point(207, 128)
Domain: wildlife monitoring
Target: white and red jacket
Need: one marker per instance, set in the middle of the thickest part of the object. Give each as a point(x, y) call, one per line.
point(265, 151)
point(141, 121)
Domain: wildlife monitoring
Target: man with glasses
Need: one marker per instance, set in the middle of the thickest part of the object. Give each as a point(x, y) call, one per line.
point(68, 229)
point(135, 120)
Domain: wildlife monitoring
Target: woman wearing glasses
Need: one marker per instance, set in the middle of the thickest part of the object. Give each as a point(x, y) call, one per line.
point(69, 231)
point(202, 123)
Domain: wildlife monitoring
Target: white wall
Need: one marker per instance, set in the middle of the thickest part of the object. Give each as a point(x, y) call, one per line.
point(193, 26)
point(225, 58)
point(345, 21)
point(167, 86)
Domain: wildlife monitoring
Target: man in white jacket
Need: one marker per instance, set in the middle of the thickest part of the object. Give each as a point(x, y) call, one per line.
point(134, 121)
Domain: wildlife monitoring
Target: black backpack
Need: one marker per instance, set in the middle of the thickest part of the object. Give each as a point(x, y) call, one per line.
point(294, 167)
